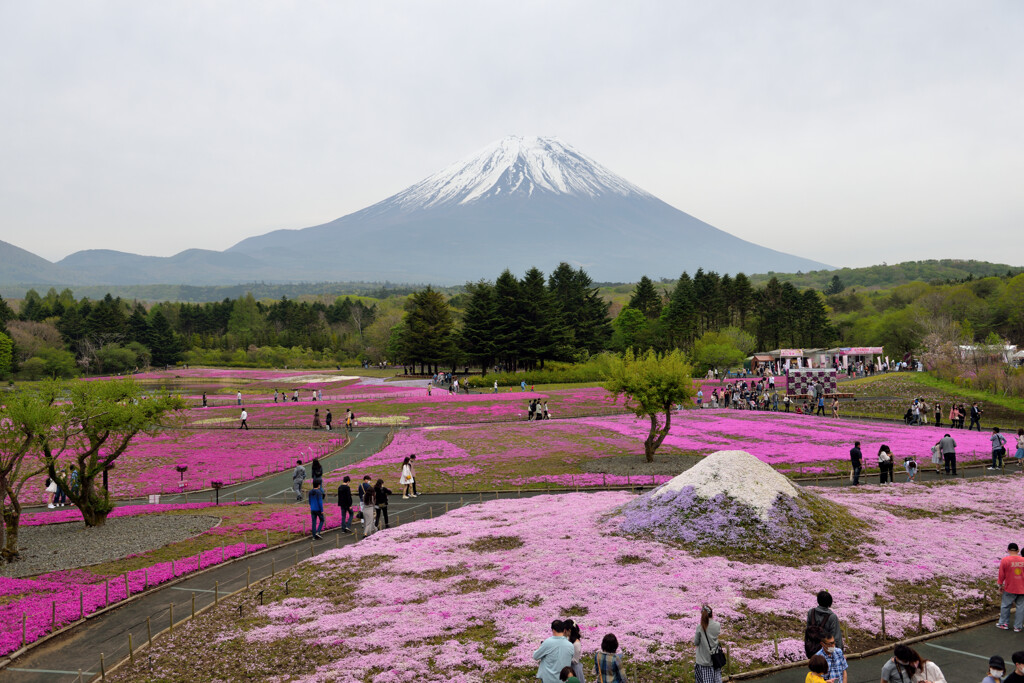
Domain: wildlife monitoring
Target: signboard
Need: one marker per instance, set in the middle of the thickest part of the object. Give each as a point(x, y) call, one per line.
point(791, 353)
point(861, 351)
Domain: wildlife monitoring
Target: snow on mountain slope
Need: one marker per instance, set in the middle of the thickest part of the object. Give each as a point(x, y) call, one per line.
point(515, 165)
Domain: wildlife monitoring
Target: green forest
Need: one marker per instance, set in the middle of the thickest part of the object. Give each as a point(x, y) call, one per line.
point(510, 323)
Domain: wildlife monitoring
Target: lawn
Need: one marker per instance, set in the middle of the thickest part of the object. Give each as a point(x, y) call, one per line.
point(467, 597)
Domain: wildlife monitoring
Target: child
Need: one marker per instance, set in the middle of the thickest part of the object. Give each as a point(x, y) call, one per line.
point(818, 666)
point(910, 465)
point(996, 670)
point(567, 675)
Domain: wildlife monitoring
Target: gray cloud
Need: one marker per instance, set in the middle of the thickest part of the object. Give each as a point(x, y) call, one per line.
point(852, 133)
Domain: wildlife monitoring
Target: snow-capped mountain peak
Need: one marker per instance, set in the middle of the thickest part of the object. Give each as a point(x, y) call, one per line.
point(516, 166)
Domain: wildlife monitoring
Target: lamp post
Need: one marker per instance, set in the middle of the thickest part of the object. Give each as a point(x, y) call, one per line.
point(181, 472)
point(216, 489)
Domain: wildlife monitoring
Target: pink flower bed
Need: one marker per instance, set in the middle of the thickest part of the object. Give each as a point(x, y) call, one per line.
point(788, 439)
point(654, 599)
point(78, 592)
point(148, 466)
point(34, 596)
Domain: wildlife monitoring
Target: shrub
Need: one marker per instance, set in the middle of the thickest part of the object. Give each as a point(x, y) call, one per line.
point(597, 369)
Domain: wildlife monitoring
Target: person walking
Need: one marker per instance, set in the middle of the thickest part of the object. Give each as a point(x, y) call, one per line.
point(406, 479)
point(298, 476)
point(906, 666)
point(821, 405)
point(975, 417)
point(316, 419)
point(961, 415)
point(316, 469)
point(1011, 580)
point(345, 504)
point(885, 465)
point(316, 508)
point(350, 418)
point(948, 447)
point(380, 499)
point(412, 470)
point(706, 640)
point(996, 670)
point(1018, 668)
point(818, 667)
point(998, 449)
point(608, 663)
point(835, 407)
point(857, 461)
point(328, 418)
point(547, 416)
point(295, 396)
point(245, 420)
point(553, 655)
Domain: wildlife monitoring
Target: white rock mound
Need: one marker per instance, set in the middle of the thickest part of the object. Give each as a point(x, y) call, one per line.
point(738, 475)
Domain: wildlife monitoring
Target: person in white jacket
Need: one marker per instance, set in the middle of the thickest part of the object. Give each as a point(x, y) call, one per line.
point(406, 478)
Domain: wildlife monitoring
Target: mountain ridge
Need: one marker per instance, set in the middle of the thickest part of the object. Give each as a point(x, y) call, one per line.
point(516, 203)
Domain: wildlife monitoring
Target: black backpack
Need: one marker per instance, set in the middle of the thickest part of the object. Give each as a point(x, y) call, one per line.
point(813, 635)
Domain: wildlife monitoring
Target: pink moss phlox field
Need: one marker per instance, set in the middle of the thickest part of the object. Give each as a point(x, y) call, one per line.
point(780, 438)
point(72, 514)
point(75, 591)
point(148, 466)
point(655, 598)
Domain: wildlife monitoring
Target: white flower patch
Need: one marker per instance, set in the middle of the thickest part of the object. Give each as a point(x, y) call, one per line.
point(738, 475)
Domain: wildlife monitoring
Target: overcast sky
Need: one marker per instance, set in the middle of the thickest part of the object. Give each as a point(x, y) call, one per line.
point(848, 132)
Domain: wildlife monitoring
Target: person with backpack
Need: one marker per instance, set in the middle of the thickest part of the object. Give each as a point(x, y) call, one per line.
point(998, 449)
point(708, 661)
point(821, 620)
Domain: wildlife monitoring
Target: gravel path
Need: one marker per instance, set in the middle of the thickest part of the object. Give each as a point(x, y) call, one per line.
point(52, 547)
point(637, 464)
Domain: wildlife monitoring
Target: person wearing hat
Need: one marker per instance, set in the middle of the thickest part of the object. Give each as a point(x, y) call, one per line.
point(996, 670)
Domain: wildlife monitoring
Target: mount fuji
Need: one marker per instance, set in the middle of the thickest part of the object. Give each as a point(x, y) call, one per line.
point(517, 203)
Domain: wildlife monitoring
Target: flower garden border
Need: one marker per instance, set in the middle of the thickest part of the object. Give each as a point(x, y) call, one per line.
point(9, 658)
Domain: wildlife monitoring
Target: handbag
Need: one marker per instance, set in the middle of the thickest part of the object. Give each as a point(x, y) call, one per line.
point(718, 659)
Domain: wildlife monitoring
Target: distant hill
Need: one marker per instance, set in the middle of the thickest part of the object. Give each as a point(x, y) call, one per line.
point(884, 276)
point(20, 266)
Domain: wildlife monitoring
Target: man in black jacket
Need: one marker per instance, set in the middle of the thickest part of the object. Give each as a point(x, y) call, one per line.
point(345, 503)
point(822, 622)
point(857, 460)
point(975, 417)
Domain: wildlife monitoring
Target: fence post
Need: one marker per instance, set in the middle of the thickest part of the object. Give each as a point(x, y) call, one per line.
point(53, 616)
point(216, 592)
point(273, 568)
point(81, 604)
point(131, 651)
point(23, 629)
point(248, 575)
point(149, 632)
point(883, 621)
point(193, 605)
point(170, 615)
point(127, 590)
point(103, 668)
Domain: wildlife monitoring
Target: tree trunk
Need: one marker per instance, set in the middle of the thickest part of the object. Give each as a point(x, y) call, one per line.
point(12, 515)
point(656, 436)
point(91, 515)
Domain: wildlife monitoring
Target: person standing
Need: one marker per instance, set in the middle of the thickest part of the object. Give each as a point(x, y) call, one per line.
point(700, 398)
point(245, 420)
point(906, 665)
point(996, 670)
point(821, 405)
point(1018, 668)
point(295, 396)
point(204, 399)
point(554, 654)
point(835, 407)
point(328, 418)
point(238, 397)
point(948, 447)
point(821, 620)
point(275, 394)
point(936, 451)
point(405, 480)
point(412, 470)
point(316, 507)
point(885, 465)
point(345, 504)
point(1011, 580)
point(837, 665)
point(298, 476)
point(380, 499)
point(607, 662)
point(349, 419)
point(317, 470)
point(938, 414)
point(547, 415)
point(857, 461)
point(572, 632)
point(316, 419)
point(320, 394)
point(998, 449)
point(367, 503)
point(706, 640)
point(495, 386)
point(1019, 454)
point(975, 417)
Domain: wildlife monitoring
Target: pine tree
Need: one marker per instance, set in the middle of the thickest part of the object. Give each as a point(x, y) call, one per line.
point(836, 286)
point(480, 320)
point(429, 338)
point(646, 299)
point(507, 301)
point(742, 297)
point(679, 321)
point(540, 318)
point(138, 326)
point(164, 343)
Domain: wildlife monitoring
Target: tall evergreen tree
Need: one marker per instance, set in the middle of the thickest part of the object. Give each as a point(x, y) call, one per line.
point(507, 299)
point(138, 325)
point(480, 320)
point(742, 297)
point(429, 338)
point(164, 344)
point(540, 319)
point(646, 299)
point(679, 321)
